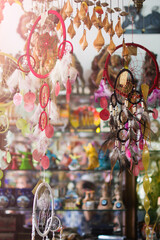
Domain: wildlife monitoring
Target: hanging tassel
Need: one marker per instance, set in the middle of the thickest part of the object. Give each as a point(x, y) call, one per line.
point(68, 90)
point(57, 89)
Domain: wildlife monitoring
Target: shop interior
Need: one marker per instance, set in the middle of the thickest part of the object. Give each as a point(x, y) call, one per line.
point(79, 120)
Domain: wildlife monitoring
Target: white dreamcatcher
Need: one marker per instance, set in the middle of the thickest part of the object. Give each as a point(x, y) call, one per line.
point(43, 216)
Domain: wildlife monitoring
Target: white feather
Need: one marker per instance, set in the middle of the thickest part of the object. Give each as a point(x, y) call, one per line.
point(35, 117)
point(3, 164)
point(55, 73)
point(9, 138)
point(53, 112)
point(43, 143)
point(14, 80)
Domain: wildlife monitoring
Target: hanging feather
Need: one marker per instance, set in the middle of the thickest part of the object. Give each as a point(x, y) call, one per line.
point(36, 114)
point(53, 112)
point(14, 80)
point(9, 138)
point(43, 143)
point(3, 163)
point(145, 91)
point(110, 137)
point(55, 74)
point(123, 162)
point(114, 157)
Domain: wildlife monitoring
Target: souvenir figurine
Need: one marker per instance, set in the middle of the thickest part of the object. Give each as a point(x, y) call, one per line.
point(118, 204)
point(88, 201)
point(92, 156)
point(105, 202)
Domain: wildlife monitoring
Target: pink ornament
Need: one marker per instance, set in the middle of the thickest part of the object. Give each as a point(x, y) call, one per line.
point(135, 148)
point(49, 131)
point(37, 155)
point(103, 102)
point(57, 88)
point(45, 162)
point(128, 153)
point(104, 114)
point(17, 99)
point(29, 98)
point(141, 144)
point(136, 171)
point(69, 87)
point(29, 107)
point(140, 165)
point(155, 113)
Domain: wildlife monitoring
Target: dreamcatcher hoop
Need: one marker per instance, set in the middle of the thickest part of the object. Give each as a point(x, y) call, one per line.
point(106, 70)
point(29, 42)
point(20, 65)
point(62, 47)
point(34, 219)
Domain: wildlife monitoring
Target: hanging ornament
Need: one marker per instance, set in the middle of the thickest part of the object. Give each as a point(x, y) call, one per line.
point(76, 19)
point(49, 131)
point(68, 8)
point(118, 28)
point(155, 113)
point(68, 89)
point(45, 162)
point(43, 120)
point(37, 155)
point(111, 30)
point(9, 158)
point(94, 19)
point(29, 98)
point(44, 95)
point(57, 88)
point(106, 23)
point(71, 30)
point(17, 99)
point(88, 22)
point(99, 41)
point(83, 41)
point(111, 48)
point(83, 10)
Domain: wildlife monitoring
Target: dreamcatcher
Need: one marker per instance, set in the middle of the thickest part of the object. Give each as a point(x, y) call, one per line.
point(43, 216)
point(128, 111)
point(129, 116)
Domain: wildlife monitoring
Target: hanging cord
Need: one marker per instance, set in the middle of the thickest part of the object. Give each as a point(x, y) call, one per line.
point(132, 28)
